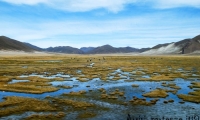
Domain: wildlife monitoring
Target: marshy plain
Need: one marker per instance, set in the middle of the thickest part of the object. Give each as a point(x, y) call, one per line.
point(61, 87)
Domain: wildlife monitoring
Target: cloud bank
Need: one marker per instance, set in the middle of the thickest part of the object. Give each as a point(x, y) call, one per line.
point(110, 5)
point(78, 5)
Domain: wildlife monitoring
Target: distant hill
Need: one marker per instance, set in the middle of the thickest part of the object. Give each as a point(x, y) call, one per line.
point(34, 47)
point(160, 45)
point(87, 49)
point(105, 49)
point(144, 49)
point(64, 49)
point(11, 44)
point(191, 45)
point(185, 46)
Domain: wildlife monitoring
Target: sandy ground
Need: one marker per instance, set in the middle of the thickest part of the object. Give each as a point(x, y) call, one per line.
point(169, 49)
point(22, 53)
point(36, 53)
point(19, 53)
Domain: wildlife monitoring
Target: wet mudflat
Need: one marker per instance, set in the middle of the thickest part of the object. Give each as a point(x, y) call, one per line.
point(99, 87)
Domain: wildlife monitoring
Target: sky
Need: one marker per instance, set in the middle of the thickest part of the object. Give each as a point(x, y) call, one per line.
point(85, 23)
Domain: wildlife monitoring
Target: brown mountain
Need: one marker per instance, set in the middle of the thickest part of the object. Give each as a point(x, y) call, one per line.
point(160, 45)
point(64, 49)
point(10, 44)
point(191, 45)
point(105, 49)
point(87, 49)
point(34, 47)
point(185, 46)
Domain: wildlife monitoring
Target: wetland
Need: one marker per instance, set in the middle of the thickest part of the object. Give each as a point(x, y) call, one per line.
point(97, 87)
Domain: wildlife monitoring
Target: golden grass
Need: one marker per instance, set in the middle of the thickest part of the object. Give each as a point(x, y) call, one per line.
point(112, 95)
point(116, 78)
point(161, 77)
point(104, 96)
point(36, 85)
point(74, 93)
point(27, 88)
point(171, 100)
point(139, 73)
point(190, 98)
point(171, 85)
point(14, 105)
point(101, 89)
point(134, 85)
point(150, 65)
point(172, 91)
point(57, 116)
point(196, 92)
point(58, 79)
point(75, 104)
point(128, 69)
point(156, 93)
point(195, 85)
point(193, 96)
point(137, 101)
point(82, 79)
point(5, 78)
point(159, 68)
point(86, 115)
point(175, 87)
point(33, 79)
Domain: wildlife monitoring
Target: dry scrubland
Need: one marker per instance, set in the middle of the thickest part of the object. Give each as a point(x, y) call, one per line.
point(159, 68)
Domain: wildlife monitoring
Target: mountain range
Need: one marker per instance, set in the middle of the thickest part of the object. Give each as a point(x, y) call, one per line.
point(10, 44)
point(185, 46)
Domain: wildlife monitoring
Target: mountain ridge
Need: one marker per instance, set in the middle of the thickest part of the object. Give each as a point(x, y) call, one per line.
point(11, 44)
point(87, 49)
point(106, 49)
point(185, 46)
point(64, 49)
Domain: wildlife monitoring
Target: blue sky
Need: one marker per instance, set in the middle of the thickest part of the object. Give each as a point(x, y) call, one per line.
point(84, 23)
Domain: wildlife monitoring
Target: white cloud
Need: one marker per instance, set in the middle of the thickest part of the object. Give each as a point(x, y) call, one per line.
point(45, 30)
point(78, 5)
point(72, 43)
point(28, 2)
point(110, 5)
point(163, 4)
point(143, 31)
point(87, 5)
